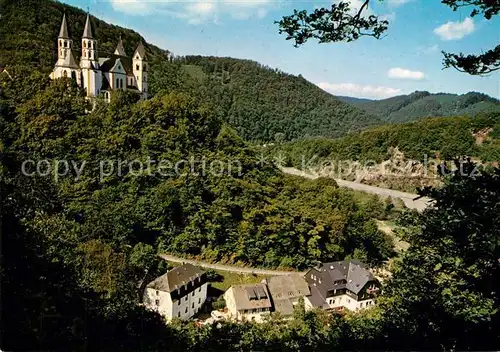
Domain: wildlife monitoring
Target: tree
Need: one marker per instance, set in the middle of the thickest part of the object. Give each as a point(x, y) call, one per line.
point(341, 24)
point(445, 292)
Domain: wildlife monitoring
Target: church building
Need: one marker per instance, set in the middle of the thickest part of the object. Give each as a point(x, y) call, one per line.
point(100, 73)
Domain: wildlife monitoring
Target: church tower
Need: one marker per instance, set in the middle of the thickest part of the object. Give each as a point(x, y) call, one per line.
point(90, 57)
point(89, 62)
point(140, 68)
point(64, 42)
point(66, 66)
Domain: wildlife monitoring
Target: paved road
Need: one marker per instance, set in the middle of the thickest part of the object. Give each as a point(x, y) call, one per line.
point(233, 269)
point(407, 198)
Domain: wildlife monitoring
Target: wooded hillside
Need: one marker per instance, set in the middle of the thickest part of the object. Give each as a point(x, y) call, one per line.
point(405, 108)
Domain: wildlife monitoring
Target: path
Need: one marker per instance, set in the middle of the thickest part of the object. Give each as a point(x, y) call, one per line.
point(231, 268)
point(407, 198)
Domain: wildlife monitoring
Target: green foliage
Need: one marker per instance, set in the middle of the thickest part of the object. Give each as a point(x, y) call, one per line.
point(443, 138)
point(260, 103)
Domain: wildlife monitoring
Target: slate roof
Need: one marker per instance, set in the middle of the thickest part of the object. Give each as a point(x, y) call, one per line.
point(176, 278)
point(63, 33)
point(70, 61)
point(141, 50)
point(107, 61)
point(317, 299)
point(120, 50)
point(346, 274)
point(251, 296)
point(284, 306)
point(290, 286)
point(87, 32)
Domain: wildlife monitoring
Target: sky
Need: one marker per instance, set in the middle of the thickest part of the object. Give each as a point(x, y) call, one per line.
point(407, 59)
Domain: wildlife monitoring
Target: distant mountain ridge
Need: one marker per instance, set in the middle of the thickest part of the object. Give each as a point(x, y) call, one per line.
point(419, 104)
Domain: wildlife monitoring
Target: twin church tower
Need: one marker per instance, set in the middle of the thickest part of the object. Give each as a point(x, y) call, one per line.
point(99, 74)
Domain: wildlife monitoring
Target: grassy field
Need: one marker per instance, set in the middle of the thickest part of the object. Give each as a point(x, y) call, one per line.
point(228, 279)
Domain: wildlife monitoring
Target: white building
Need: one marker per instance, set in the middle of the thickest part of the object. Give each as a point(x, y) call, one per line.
point(100, 73)
point(180, 293)
point(341, 285)
point(250, 302)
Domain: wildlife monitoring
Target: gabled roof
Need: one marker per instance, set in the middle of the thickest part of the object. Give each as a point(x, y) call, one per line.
point(286, 287)
point(120, 50)
point(107, 62)
point(349, 274)
point(63, 32)
point(251, 296)
point(176, 278)
point(87, 32)
point(70, 61)
point(141, 50)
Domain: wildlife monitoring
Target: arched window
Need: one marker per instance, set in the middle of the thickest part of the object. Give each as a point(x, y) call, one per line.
point(84, 44)
point(117, 83)
point(65, 44)
point(65, 74)
point(145, 68)
point(137, 67)
point(60, 43)
point(121, 83)
point(73, 75)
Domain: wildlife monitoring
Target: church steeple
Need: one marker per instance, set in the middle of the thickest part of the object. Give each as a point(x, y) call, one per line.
point(90, 57)
point(87, 32)
point(64, 42)
point(63, 33)
point(120, 50)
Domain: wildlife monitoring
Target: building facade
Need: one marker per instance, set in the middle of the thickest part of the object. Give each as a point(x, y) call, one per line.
point(341, 285)
point(100, 73)
point(180, 293)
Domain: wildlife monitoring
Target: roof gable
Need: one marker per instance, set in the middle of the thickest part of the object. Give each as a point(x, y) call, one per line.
point(176, 278)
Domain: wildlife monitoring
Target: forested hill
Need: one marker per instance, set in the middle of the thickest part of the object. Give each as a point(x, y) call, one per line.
point(404, 108)
point(261, 103)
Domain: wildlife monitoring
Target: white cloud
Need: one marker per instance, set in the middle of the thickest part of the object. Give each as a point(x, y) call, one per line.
point(455, 30)
point(403, 73)
point(195, 11)
point(395, 3)
point(359, 91)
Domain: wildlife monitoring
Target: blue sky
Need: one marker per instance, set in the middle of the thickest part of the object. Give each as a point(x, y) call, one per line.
point(408, 58)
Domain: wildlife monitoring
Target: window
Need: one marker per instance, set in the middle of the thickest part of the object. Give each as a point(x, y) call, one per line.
point(179, 315)
point(192, 293)
point(117, 83)
point(192, 305)
point(199, 300)
point(65, 74)
point(199, 290)
point(157, 302)
point(186, 310)
point(84, 44)
point(361, 305)
point(186, 298)
point(65, 44)
point(179, 302)
point(137, 67)
point(60, 43)
point(157, 293)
